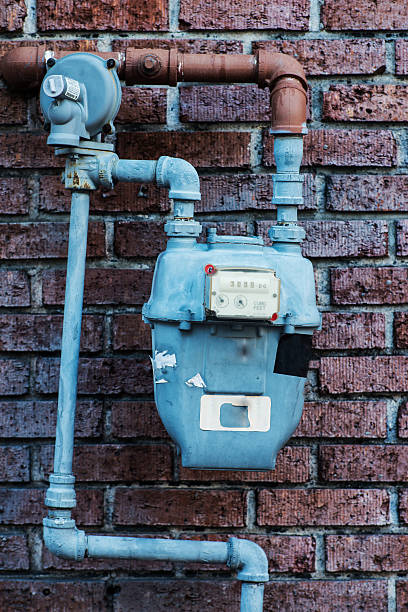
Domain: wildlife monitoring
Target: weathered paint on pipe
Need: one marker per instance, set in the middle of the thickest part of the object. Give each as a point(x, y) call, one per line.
point(135, 171)
point(252, 596)
point(71, 332)
point(157, 549)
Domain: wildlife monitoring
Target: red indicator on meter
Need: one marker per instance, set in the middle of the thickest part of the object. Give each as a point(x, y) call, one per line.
point(210, 269)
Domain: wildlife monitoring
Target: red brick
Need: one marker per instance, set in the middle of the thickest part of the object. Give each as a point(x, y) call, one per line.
point(14, 553)
point(14, 377)
point(125, 197)
point(369, 285)
point(14, 197)
point(182, 595)
point(99, 15)
point(240, 15)
point(202, 149)
point(326, 57)
point(38, 419)
point(401, 329)
point(13, 109)
point(27, 332)
point(12, 15)
point(136, 420)
point(139, 238)
point(365, 103)
point(402, 237)
point(401, 57)
point(343, 463)
point(371, 553)
point(246, 192)
point(295, 554)
point(46, 240)
point(14, 288)
point(403, 506)
point(355, 419)
point(108, 286)
point(41, 595)
point(367, 193)
point(339, 238)
point(292, 465)
point(402, 595)
point(14, 464)
point(354, 148)
point(323, 507)
point(129, 333)
point(115, 462)
point(347, 330)
point(106, 375)
point(224, 103)
point(365, 15)
point(183, 45)
point(285, 596)
point(26, 506)
point(27, 151)
point(179, 507)
point(403, 421)
point(227, 103)
point(381, 374)
point(327, 595)
point(143, 105)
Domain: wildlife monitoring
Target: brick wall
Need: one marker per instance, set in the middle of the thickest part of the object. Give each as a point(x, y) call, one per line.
point(333, 516)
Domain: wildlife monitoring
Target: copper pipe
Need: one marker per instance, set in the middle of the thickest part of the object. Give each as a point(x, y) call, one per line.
point(24, 68)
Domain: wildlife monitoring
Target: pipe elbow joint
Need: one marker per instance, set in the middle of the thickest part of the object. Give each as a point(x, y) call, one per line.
point(249, 559)
point(63, 539)
point(180, 176)
point(286, 79)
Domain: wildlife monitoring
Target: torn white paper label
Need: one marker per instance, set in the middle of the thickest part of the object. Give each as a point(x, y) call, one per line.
point(162, 380)
point(164, 360)
point(196, 381)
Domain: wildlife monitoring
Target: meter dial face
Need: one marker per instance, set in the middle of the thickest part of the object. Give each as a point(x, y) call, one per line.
point(244, 293)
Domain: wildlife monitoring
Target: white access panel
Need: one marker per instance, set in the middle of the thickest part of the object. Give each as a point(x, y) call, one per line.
point(244, 293)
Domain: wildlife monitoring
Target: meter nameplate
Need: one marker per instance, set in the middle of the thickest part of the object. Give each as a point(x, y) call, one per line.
point(256, 411)
point(244, 293)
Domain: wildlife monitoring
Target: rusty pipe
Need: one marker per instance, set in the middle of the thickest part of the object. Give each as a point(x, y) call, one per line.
point(24, 68)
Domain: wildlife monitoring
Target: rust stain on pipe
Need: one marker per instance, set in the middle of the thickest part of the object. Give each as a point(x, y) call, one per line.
point(24, 68)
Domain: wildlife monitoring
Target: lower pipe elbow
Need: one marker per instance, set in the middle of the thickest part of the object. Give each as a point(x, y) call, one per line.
point(249, 559)
point(180, 176)
point(63, 539)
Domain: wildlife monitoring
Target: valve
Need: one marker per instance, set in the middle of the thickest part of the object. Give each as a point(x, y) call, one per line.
point(80, 97)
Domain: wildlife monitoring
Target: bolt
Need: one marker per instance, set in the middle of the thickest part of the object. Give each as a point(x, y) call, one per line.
point(111, 63)
point(151, 64)
point(51, 62)
point(107, 128)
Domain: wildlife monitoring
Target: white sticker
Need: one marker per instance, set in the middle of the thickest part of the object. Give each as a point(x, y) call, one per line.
point(164, 360)
point(162, 380)
point(196, 381)
point(258, 412)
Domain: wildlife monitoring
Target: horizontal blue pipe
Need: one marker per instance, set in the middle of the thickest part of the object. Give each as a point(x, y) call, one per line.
point(158, 549)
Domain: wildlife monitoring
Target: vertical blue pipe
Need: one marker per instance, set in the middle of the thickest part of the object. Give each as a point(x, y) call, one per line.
point(252, 596)
point(71, 332)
